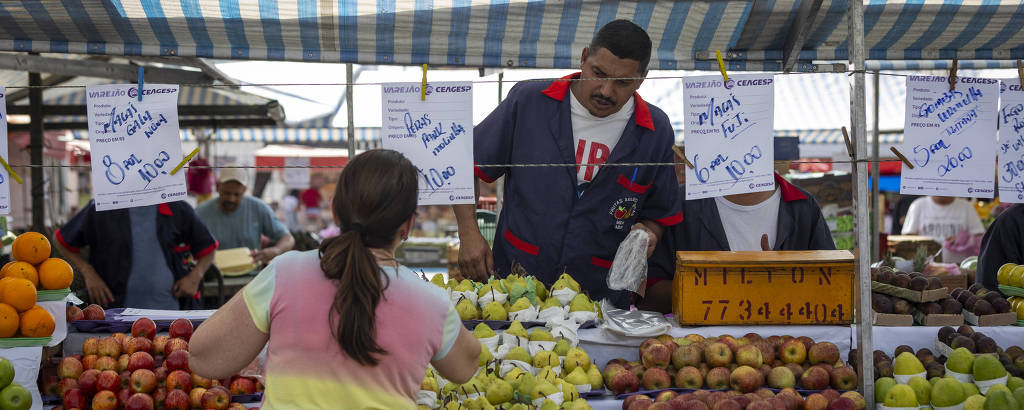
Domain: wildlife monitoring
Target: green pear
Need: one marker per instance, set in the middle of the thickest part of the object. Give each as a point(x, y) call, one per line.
point(576, 357)
point(970, 389)
point(906, 363)
point(465, 286)
point(452, 284)
point(448, 389)
point(581, 303)
point(499, 391)
point(479, 403)
point(467, 310)
point(550, 303)
point(561, 346)
point(548, 405)
point(485, 356)
point(520, 304)
point(474, 385)
point(518, 353)
point(542, 292)
point(455, 405)
point(429, 384)
point(519, 406)
point(922, 389)
point(882, 386)
point(430, 372)
point(1015, 383)
point(513, 376)
point(482, 331)
point(541, 335)
point(577, 377)
point(580, 404)
point(1000, 399)
point(566, 282)
point(485, 289)
point(545, 358)
point(987, 367)
point(901, 395)
point(947, 393)
point(494, 311)
point(517, 329)
point(596, 379)
point(438, 280)
point(569, 391)
point(960, 360)
point(975, 402)
point(547, 374)
point(526, 384)
point(543, 389)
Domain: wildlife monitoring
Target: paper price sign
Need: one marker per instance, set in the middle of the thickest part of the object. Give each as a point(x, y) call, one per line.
point(436, 134)
point(729, 134)
point(1011, 142)
point(950, 136)
point(135, 145)
point(5, 179)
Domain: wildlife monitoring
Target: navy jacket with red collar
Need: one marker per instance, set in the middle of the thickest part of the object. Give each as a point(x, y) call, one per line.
point(801, 227)
point(544, 225)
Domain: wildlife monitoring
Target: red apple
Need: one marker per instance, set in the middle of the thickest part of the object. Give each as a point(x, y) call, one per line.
point(140, 360)
point(236, 406)
point(106, 363)
point(91, 346)
point(119, 337)
point(200, 381)
point(122, 363)
point(139, 401)
point(109, 346)
point(108, 380)
point(143, 381)
point(74, 398)
point(104, 400)
point(94, 312)
point(161, 374)
point(195, 397)
point(66, 384)
point(177, 400)
point(175, 344)
point(70, 368)
point(126, 379)
point(144, 327)
point(137, 344)
point(123, 395)
point(89, 362)
point(73, 313)
point(216, 398)
point(159, 395)
point(178, 379)
point(242, 385)
point(87, 381)
point(181, 328)
point(177, 360)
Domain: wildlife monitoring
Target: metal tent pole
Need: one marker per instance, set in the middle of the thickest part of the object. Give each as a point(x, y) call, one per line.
point(350, 129)
point(855, 17)
point(35, 101)
point(876, 211)
point(500, 188)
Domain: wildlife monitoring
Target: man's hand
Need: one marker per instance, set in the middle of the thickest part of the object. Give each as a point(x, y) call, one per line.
point(652, 237)
point(188, 286)
point(475, 259)
point(765, 244)
point(99, 293)
point(264, 255)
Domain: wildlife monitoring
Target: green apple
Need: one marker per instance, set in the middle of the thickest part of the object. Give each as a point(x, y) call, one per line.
point(6, 372)
point(901, 395)
point(947, 393)
point(15, 397)
point(882, 386)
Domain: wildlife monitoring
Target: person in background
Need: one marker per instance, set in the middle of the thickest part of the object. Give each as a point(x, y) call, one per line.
point(1002, 243)
point(237, 220)
point(942, 217)
point(347, 325)
point(899, 212)
point(313, 201)
point(290, 209)
point(133, 260)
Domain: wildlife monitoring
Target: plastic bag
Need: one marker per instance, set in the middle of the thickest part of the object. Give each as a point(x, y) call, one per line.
point(629, 269)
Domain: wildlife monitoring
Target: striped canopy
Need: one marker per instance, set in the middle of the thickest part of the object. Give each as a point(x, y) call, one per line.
point(507, 33)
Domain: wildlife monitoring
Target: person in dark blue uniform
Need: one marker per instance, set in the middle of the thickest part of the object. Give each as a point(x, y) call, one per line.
point(572, 219)
point(740, 222)
point(1003, 243)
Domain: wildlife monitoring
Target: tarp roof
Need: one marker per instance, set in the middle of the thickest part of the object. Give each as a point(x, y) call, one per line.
point(754, 34)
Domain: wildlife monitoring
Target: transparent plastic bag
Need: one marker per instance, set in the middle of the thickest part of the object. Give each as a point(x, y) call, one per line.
point(629, 269)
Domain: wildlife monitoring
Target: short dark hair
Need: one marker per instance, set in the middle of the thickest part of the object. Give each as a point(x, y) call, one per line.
point(625, 40)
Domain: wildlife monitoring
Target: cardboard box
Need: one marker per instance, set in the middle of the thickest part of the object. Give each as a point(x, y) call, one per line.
point(938, 320)
point(918, 296)
point(905, 246)
point(998, 319)
point(889, 319)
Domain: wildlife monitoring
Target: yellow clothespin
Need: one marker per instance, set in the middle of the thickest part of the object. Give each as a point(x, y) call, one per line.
point(952, 76)
point(849, 145)
point(10, 171)
point(184, 161)
point(423, 87)
point(721, 65)
point(682, 155)
point(901, 157)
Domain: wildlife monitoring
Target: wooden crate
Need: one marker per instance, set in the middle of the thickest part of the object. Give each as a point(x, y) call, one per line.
point(781, 287)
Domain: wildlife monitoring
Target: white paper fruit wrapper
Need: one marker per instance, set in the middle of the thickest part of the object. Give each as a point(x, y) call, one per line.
point(426, 398)
point(564, 295)
point(457, 296)
point(526, 315)
point(904, 378)
point(489, 297)
point(582, 316)
point(960, 377)
point(556, 397)
point(553, 313)
point(469, 396)
point(984, 385)
point(535, 347)
point(511, 340)
point(567, 329)
point(490, 343)
point(508, 365)
point(583, 388)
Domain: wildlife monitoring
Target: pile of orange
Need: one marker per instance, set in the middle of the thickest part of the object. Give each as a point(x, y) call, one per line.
point(32, 268)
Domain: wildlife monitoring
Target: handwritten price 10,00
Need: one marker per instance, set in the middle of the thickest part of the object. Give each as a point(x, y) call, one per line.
point(148, 171)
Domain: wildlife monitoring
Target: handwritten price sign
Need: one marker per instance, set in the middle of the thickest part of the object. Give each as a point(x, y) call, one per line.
point(436, 134)
point(950, 136)
point(5, 185)
point(729, 134)
point(135, 145)
point(805, 287)
point(1011, 142)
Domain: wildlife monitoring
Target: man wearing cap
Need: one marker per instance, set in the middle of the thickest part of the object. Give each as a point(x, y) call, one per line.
point(238, 220)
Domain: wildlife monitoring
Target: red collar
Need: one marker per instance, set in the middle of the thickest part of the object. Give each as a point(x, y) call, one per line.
point(165, 209)
point(790, 192)
point(558, 89)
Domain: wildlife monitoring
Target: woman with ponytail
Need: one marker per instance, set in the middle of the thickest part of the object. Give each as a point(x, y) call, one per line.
point(346, 326)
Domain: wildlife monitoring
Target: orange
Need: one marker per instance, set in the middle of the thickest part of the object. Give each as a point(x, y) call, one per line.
point(36, 322)
point(21, 270)
point(8, 320)
point(55, 273)
point(3, 282)
point(19, 293)
point(31, 247)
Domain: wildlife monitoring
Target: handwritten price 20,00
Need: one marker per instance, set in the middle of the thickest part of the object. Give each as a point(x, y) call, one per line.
point(148, 171)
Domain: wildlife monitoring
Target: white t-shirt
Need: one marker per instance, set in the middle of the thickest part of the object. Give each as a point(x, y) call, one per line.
point(927, 218)
point(744, 224)
point(594, 138)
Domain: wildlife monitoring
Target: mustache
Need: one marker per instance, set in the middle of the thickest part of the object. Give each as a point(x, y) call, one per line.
point(606, 100)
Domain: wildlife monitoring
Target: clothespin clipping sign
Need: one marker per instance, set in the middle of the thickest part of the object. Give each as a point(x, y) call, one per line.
point(849, 144)
point(423, 85)
point(899, 155)
point(141, 74)
point(679, 152)
point(184, 161)
point(721, 65)
point(952, 76)
point(1020, 74)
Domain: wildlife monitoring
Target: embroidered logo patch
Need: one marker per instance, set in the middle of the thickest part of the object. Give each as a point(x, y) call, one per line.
point(622, 209)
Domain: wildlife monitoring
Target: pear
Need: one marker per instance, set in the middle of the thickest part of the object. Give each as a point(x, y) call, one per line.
point(901, 395)
point(550, 303)
point(429, 384)
point(906, 363)
point(1000, 399)
point(485, 289)
point(596, 380)
point(430, 372)
point(513, 376)
point(448, 389)
point(519, 406)
point(516, 329)
point(452, 284)
point(467, 310)
point(541, 335)
point(581, 303)
point(960, 360)
point(465, 286)
point(479, 403)
point(543, 389)
point(580, 404)
point(565, 281)
point(947, 393)
point(474, 385)
point(518, 353)
point(576, 357)
point(485, 356)
point(547, 374)
point(922, 389)
point(438, 280)
point(988, 367)
point(548, 405)
point(561, 346)
point(975, 402)
point(577, 377)
point(455, 405)
point(569, 391)
point(499, 391)
point(482, 331)
point(527, 382)
point(882, 386)
point(542, 292)
point(545, 358)
point(494, 311)
point(520, 304)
